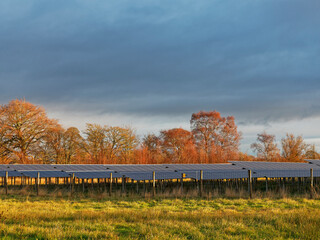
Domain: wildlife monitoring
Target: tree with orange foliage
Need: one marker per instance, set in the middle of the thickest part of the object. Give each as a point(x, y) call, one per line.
point(60, 146)
point(246, 157)
point(215, 136)
point(152, 149)
point(23, 126)
point(71, 145)
point(51, 149)
point(293, 148)
point(178, 146)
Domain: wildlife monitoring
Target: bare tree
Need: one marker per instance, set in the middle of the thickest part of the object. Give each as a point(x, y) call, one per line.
point(94, 143)
point(120, 143)
point(311, 152)
point(265, 147)
point(110, 144)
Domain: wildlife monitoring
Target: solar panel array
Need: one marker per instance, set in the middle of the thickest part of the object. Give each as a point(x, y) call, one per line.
point(232, 170)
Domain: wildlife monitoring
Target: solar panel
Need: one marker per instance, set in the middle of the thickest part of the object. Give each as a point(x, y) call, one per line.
point(218, 174)
point(5, 167)
point(45, 174)
point(219, 166)
point(313, 162)
point(79, 167)
point(149, 175)
point(10, 174)
point(100, 174)
point(272, 165)
point(136, 167)
point(30, 167)
point(167, 167)
point(285, 173)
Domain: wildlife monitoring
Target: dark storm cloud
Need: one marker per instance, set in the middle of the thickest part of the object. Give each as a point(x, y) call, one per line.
point(257, 60)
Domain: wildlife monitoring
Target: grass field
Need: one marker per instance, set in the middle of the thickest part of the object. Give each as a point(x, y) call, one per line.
point(52, 217)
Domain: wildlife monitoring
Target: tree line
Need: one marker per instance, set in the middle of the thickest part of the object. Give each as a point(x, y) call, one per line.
point(28, 135)
point(293, 148)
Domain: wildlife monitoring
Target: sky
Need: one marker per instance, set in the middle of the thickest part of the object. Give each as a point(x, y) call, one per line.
point(151, 64)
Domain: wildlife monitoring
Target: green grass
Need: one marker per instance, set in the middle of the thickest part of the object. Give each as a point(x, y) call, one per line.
point(30, 217)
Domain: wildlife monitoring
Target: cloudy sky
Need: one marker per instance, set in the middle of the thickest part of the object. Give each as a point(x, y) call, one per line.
point(151, 64)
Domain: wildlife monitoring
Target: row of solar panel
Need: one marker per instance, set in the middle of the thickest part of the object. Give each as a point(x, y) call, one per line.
point(160, 167)
point(234, 170)
point(226, 174)
point(120, 167)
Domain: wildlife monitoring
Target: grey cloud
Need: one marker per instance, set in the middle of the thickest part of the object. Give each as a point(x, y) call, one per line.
point(257, 60)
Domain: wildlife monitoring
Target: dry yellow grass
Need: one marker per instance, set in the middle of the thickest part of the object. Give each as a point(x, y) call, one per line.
point(101, 217)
